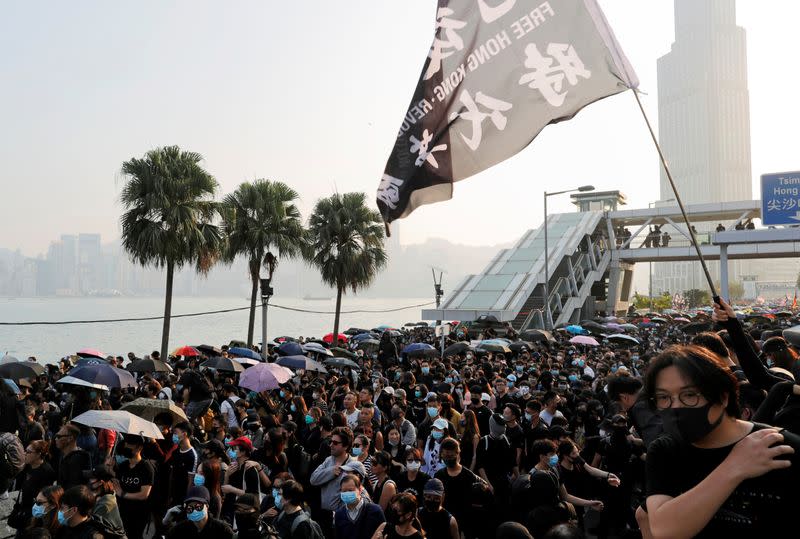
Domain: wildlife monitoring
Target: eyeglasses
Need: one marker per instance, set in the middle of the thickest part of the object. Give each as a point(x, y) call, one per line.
point(356, 445)
point(189, 507)
point(688, 397)
point(336, 442)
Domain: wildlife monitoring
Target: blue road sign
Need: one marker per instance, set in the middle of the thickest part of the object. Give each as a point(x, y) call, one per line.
point(780, 198)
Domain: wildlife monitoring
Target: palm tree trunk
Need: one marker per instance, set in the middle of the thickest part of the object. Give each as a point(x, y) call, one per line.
point(336, 319)
point(255, 275)
point(167, 312)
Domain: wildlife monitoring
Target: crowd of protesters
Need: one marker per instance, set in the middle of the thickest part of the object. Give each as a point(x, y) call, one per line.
point(673, 437)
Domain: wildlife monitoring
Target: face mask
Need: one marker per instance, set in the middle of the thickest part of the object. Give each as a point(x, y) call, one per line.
point(413, 466)
point(688, 424)
point(197, 516)
point(520, 368)
point(199, 480)
point(450, 463)
point(393, 443)
point(397, 375)
point(315, 396)
point(348, 497)
point(552, 461)
point(309, 419)
point(246, 520)
point(120, 459)
point(62, 519)
point(476, 401)
point(37, 511)
point(432, 506)
point(573, 378)
point(426, 370)
point(418, 394)
point(770, 363)
point(278, 501)
point(524, 390)
point(510, 385)
point(581, 364)
point(554, 372)
point(356, 451)
point(614, 369)
point(282, 393)
point(175, 439)
point(432, 411)
point(232, 454)
point(448, 379)
point(93, 395)
point(293, 408)
point(528, 417)
point(437, 435)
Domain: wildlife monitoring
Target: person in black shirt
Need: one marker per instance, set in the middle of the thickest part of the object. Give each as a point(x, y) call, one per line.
point(435, 520)
point(132, 486)
point(76, 509)
point(198, 523)
point(458, 484)
point(515, 434)
point(36, 474)
point(184, 460)
point(711, 474)
point(482, 413)
point(73, 461)
point(534, 429)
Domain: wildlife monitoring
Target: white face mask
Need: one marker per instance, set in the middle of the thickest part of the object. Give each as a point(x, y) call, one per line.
point(413, 466)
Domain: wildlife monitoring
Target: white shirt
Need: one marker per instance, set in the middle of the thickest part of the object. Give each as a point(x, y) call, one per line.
point(547, 417)
point(352, 419)
point(227, 410)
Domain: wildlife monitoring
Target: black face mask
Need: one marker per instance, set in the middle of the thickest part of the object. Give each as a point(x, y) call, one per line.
point(688, 424)
point(247, 520)
point(450, 463)
point(431, 506)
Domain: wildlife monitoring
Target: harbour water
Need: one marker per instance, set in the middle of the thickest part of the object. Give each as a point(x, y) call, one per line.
point(50, 342)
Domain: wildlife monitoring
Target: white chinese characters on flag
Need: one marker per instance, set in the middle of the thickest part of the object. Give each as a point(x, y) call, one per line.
point(495, 76)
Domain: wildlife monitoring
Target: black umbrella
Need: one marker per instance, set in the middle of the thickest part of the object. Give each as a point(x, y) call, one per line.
point(355, 331)
point(149, 365)
point(20, 369)
point(341, 352)
point(341, 362)
point(457, 348)
point(519, 346)
point(209, 351)
point(537, 335)
point(223, 364)
point(694, 328)
point(594, 327)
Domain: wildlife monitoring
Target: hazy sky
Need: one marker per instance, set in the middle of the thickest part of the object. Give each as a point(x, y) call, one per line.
point(312, 93)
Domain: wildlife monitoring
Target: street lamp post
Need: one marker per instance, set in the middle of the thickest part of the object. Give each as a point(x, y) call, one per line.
point(266, 293)
point(582, 189)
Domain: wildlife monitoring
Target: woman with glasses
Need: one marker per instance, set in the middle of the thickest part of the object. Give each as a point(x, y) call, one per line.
point(45, 508)
point(36, 474)
point(712, 474)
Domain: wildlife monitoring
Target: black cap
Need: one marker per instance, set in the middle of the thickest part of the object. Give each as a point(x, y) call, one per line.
point(215, 447)
point(556, 432)
point(197, 494)
point(101, 472)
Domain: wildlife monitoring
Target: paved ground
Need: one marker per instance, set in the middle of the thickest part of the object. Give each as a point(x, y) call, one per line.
point(5, 508)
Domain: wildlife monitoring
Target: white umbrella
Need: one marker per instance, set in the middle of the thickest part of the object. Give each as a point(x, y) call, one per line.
point(246, 360)
point(71, 380)
point(8, 359)
point(120, 421)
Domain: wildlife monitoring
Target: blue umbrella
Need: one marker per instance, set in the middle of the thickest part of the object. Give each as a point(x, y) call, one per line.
point(244, 352)
point(501, 342)
point(105, 375)
point(14, 387)
point(419, 349)
point(90, 361)
point(301, 362)
point(576, 330)
point(290, 349)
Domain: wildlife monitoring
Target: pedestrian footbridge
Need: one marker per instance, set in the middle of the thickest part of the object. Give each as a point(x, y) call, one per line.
point(592, 254)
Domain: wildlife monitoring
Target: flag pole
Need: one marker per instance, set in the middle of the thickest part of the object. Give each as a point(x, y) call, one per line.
point(714, 293)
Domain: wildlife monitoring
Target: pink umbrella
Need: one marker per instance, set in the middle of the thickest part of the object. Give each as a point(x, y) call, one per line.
point(92, 352)
point(584, 339)
point(264, 376)
point(329, 338)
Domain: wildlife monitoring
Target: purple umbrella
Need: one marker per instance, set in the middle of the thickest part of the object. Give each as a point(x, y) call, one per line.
point(584, 339)
point(264, 376)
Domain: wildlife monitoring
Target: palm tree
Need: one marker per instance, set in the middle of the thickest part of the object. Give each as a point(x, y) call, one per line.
point(346, 244)
point(169, 217)
point(258, 218)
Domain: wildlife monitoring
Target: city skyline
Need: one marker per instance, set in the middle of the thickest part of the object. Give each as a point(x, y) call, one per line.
point(282, 92)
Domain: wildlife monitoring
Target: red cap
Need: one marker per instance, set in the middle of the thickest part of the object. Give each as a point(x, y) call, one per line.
point(242, 441)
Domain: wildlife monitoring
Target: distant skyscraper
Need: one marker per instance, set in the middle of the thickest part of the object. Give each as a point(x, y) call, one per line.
point(704, 119)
